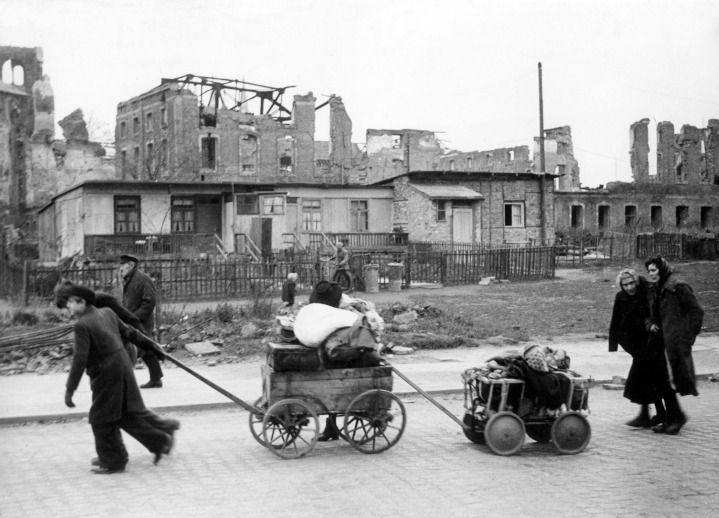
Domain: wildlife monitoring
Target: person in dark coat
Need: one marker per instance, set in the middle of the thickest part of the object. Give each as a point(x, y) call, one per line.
point(139, 297)
point(627, 328)
point(116, 400)
point(675, 321)
point(289, 288)
point(104, 300)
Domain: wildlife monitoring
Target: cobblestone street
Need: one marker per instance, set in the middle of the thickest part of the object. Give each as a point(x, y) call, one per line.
point(218, 469)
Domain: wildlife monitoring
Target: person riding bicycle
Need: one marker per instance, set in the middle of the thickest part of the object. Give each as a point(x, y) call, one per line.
point(342, 256)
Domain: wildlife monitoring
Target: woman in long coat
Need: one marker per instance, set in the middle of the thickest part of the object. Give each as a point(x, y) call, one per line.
point(675, 320)
point(627, 328)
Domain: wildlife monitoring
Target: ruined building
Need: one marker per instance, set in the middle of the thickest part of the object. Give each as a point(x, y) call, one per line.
point(681, 195)
point(209, 129)
point(34, 166)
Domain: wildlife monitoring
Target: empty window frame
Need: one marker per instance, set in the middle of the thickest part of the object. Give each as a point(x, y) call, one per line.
point(359, 215)
point(514, 214)
point(163, 117)
point(469, 163)
point(604, 217)
point(150, 160)
point(441, 210)
point(656, 216)
point(576, 217)
point(248, 204)
point(396, 141)
point(630, 215)
point(123, 130)
point(182, 215)
point(286, 152)
point(451, 165)
point(272, 205)
point(510, 155)
point(248, 154)
point(127, 214)
point(707, 217)
point(208, 148)
point(135, 125)
point(148, 121)
point(682, 215)
point(312, 215)
point(679, 168)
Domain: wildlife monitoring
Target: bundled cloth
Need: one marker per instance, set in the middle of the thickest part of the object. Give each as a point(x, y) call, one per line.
point(366, 308)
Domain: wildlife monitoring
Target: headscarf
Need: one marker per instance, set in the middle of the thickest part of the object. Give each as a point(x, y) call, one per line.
point(662, 265)
point(536, 358)
point(627, 273)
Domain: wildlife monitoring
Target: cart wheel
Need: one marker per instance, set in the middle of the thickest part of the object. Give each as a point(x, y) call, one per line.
point(504, 433)
point(290, 429)
point(540, 432)
point(374, 421)
point(476, 433)
point(571, 433)
point(256, 421)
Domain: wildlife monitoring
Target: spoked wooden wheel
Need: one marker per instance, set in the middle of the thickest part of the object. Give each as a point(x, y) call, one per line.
point(540, 432)
point(256, 421)
point(476, 431)
point(374, 421)
point(504, 433)
point(290, 429)
point(571, 433)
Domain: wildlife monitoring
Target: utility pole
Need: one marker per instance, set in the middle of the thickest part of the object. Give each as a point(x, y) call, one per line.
point(542, 165)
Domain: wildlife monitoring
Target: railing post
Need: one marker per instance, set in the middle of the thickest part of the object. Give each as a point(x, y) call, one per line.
point(443, 267)
point(25, 282)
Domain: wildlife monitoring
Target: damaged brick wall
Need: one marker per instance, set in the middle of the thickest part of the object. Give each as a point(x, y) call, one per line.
point(502, 160)
point(559, 158)
point(390, 153)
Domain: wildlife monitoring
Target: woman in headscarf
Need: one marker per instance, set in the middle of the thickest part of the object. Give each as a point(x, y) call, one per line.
point(675, 321)
point(627, 328)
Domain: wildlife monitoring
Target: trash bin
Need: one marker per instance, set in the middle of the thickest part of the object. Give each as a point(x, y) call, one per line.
point(371, 278)
point(394, 272)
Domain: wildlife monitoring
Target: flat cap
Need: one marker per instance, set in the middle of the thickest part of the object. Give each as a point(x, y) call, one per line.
point(127, 258)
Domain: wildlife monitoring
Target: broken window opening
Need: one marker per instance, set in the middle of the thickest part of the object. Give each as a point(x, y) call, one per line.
point(359, 215)
point(396, 141)
point(135, 125)
point(183, 215)
point(469, 163)
point(312, 215)
point(18, 75)
point(6, 76)
point(209, 147)
point(656, 216)
point(123, 130)
point(510, 155)
point(514, 214)
point(682, 215)
point(577, 216)
point(127, 215)
point(561, 148)
point(285, 151)
point(163, 117)
point(559, 169)
point(707, 217)
point(630, 215)
point(207, 119)
point(679, 168)
point(451, 165)
point(248, 153)
point(148, 122)
point(441, 211)
point(603, 217)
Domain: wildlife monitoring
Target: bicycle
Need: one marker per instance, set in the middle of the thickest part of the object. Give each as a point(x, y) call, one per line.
point(344, 277)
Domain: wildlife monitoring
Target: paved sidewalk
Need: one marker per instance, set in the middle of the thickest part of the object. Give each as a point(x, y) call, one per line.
point(32, 397)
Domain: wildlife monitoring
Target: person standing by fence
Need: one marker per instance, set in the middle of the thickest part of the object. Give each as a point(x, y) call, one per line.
point(675, 321)
point(139, 297)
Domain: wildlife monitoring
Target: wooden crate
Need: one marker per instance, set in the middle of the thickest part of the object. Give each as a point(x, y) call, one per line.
point(330, 390)
point(293, 357)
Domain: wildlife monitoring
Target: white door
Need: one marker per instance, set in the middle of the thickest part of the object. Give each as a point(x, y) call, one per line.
point(462, 225)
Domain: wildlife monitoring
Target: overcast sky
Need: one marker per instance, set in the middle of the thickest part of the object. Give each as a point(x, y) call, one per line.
point(465, 69)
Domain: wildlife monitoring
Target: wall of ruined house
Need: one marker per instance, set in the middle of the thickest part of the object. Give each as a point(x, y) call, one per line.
point(502, 160)
point(559, 158)
point(248, 148)
point(684, 158)
point(642, 196)
point(415, 213)
point(389, 153)
point(341, 150)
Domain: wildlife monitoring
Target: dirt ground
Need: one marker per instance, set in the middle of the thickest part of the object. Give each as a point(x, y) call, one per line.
point(576, 301)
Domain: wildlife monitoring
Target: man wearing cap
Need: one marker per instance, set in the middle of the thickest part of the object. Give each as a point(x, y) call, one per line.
point(139, 297)
point(342, 258)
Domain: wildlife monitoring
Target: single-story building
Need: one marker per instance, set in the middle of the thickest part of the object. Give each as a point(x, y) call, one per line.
point(105, 218)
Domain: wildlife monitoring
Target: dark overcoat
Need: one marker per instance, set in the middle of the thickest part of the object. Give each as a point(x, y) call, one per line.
point(139, 297)
point(676, 310)
point(100, 352)
point(627, 328)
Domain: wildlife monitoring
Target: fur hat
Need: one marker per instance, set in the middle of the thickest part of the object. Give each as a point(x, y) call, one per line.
point(326, 292)
point(67, 289)
point(536, 358)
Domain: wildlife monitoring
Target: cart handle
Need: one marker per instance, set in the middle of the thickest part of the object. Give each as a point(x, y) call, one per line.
point(219, 389)
point(430, 398)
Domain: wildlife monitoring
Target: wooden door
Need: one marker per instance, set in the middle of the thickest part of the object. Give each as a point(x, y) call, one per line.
point(462, 225)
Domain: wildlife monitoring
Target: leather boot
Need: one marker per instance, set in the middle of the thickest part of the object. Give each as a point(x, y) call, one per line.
point(642, 420)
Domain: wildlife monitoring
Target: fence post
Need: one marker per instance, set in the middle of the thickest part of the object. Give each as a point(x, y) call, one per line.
point(442, 267)
point(25, 282)
point(407, 269)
